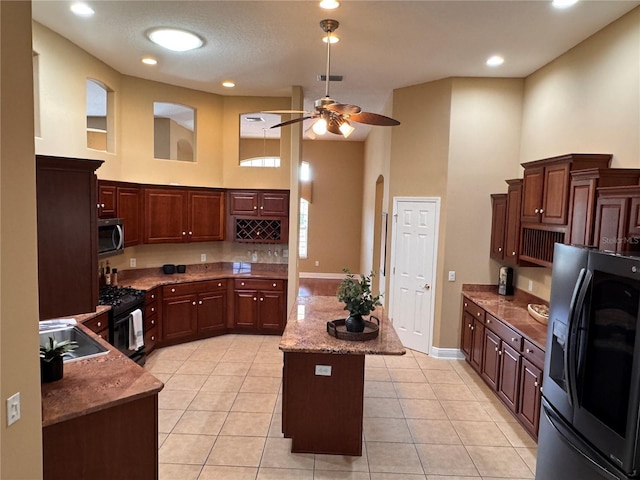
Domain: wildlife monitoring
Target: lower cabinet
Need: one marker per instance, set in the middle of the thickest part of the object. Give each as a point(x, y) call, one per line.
point(259, 305)
point(99, 325)
point(152, 332)
point(510, 364)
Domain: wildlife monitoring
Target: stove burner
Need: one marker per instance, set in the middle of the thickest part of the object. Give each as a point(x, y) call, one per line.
point(110, 295)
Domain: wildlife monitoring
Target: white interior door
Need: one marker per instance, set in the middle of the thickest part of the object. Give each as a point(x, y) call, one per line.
point(413, 266)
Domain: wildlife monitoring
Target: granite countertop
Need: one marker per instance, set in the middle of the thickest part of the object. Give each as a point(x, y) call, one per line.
point(306, 330)
point(96, 383)
point(511, 309)
point(149, 278)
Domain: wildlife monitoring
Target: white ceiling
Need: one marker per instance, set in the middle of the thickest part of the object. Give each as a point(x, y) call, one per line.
point(266, 46)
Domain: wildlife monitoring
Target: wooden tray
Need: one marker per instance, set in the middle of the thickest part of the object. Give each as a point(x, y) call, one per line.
point(337, 328)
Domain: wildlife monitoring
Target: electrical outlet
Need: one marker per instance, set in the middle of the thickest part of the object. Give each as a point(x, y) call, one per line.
point(132, 263)
point(530, 287)
point(323, 370)
point(317, 263)
point(13, 408)
point(452, 276)
point(203, 257)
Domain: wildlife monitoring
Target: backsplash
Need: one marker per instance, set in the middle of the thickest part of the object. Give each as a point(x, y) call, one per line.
point(149, 256)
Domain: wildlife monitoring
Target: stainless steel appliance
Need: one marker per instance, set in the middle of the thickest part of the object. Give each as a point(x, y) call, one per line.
point(505, 281)
point(110, 237)
point(123, 301)
point(591, 387)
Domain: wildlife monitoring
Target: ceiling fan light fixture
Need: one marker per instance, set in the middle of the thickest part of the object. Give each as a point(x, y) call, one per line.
point(175, 39)
point(320, 127)
point(332, 38)
point(329, 4)
point(346, 128)
point(309, 133)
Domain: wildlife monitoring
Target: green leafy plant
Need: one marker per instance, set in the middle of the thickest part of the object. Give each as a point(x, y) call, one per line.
point(53, 349)
point(356, 294)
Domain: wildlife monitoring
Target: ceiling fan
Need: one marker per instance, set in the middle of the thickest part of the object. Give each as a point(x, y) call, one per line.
point(330, 115)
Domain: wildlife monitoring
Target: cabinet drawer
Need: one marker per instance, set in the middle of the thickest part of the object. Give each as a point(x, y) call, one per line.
point(150, 339)
point(534, 354)
point(97, 324)
point(177, 289)
point(150, 322)
point(150, 309)
point(212, 285)
point(258, 284)
point(505, 333)
point(151, 296)
point(473, 309)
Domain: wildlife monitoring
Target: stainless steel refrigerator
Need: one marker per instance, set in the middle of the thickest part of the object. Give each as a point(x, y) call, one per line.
point(591, 385)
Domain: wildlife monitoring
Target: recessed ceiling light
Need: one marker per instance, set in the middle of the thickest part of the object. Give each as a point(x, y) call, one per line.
point(333, 38)
point(174, 39)
point(563, 3)
point(82, 9)
point(149, 61)
point(228, 84)
point(329, 4)
point(495, 61)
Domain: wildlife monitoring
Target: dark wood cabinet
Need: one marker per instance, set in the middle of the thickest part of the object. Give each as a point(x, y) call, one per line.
point(99, 325)
point(473, 333)
point(175, 215)
point(258, 216)
point(530, 395)
point(259, 305)
point(508, 385)
point(248, 203)
point(107, 201)
point(179, 316)
point(491, 358)
point(498, 224)
point(152, 327)
point(66, 195)
point(129, 208)
point(212, 308)
point(243, 203)
point(512, 225)
point(532, 192)
point(617, 219)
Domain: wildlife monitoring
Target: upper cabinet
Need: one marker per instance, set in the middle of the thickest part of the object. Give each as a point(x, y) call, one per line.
point(498, 220)
point(67, 257)
point(258, 216)
point(177, 215)
point(512, 225)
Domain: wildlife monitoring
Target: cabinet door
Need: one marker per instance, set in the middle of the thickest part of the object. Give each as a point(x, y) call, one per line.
point(179, 317)
point(206, 216)
point(477, 345)
point(106, 201)
point(274, 204)
point(634, 217)
point(509, 372)
point(491, 358)
point(271, 314)
point(212, 312)
point(498, 219)
point(245, 308)
point(466, 335)
point(529, 402)
point(130, 210)
point(165, 214)
point(243, 203)
point(581, 211)
point(556, 192)
point(512, 226)
point(532, 187)
point(611, 214)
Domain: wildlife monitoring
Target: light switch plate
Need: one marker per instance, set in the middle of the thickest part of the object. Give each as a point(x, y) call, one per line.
point(203, 257)
point(452, 276)
point(13, 409)
point(132, 263)
point(323, 370)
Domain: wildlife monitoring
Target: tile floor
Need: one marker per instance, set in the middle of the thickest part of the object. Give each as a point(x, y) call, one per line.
point(424, 419)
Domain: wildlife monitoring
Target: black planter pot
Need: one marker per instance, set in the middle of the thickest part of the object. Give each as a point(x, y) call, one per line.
point(354, 323)
point(51, 370)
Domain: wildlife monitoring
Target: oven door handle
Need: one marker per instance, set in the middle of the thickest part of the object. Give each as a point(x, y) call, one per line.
point(119, 241)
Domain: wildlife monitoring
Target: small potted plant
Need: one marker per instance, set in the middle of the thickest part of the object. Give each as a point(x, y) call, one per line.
point(358, 299)
point(51, 358)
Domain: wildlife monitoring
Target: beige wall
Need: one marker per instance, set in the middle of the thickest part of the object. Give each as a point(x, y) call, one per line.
point(21, 443)
point(335, 213)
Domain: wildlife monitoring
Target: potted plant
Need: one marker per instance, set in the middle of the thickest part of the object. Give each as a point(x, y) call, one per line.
point(358, 299)
point(51, 358)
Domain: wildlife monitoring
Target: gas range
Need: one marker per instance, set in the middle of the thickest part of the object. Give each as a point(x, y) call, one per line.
point(121, 299)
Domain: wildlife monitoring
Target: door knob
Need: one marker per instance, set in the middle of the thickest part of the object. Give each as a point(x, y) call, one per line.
point(427, 286)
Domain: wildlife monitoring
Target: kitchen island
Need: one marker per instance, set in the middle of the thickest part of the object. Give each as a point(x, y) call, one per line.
point(323, 378)
point(101, 420)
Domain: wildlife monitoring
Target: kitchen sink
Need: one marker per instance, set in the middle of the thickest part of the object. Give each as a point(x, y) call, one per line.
point(87, 346)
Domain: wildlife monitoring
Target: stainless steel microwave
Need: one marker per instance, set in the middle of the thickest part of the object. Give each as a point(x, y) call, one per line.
point(110, 237)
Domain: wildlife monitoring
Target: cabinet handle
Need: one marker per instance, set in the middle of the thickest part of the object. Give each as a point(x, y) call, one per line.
point(488, 319)
point(153, 337)
point(184, 233)
point(499, 249)
point(219, 284)
point(255, 299)
point(541, 211)
point(469, 325)
point(466, 304)
point(472, 328)
point(537, 210)
point(255, 207)
point(173, 290)
point(262, 299)
point(102, 205)
point(261, 208)
point(200, 302)
point(99, 324)
point(194, 303)
point(153, 295)
point(153, 309)
point(97, 205)
point(153, 322)
point(535, 384)
point(190, 233)
point(496, 349)
point(514, 339)
point(478, 314)
point(513, 253)
point(528, 350)
point(274, 284)
point(242, 284)
point(499, 352)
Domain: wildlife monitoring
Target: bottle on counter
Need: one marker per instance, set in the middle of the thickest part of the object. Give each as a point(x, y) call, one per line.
point(107, 274)
point(101, 280)
point(114, 277)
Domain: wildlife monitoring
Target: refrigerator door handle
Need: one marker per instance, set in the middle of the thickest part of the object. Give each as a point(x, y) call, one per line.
point(564, 434)
point(570, 352)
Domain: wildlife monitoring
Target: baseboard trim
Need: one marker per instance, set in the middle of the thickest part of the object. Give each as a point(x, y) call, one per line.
point(447, 353)
point(330, 276)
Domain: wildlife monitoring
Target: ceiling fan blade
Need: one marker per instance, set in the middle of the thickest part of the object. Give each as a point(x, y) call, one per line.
point(343, 108)
point(295, 120)
point(373, 119)
point(285, 111)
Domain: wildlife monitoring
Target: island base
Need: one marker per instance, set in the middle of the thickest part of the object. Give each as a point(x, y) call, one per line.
point(321, 411)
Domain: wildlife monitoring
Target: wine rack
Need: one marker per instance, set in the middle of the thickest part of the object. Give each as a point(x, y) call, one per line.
point(258, 230)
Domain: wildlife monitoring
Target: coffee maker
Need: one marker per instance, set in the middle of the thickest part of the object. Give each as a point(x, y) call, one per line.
point(505, 281)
